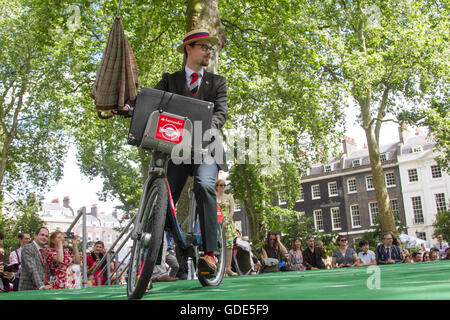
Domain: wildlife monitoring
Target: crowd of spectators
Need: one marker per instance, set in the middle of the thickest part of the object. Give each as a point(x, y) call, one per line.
point(49, 261)
point(53, 261)
point(390, 251)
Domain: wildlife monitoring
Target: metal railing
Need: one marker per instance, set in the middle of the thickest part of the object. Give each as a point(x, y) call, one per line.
point(120, 243)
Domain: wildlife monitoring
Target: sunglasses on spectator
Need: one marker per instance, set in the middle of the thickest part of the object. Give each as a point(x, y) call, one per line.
point(271, 239)
point(222, 185)
point(343, 240)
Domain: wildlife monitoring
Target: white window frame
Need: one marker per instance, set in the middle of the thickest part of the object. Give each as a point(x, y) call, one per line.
point(367, 183)
point(336, 218)
point(416, 206)
point(390, 173)
point(348, 185)
point(315, 212)
point(397, 209)
point(384, 155)
point(414, 175)
point(312, 192)
point(433, 171)
point(352, 215)
point(325, 168)
point(373, 215)
point(300, 214)
point(441, 203)
point(353, 163)
point(329, 189)
point(302, 194)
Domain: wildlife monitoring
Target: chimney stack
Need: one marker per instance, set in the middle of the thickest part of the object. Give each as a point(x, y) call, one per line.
point(349, 145)
point(114, 213)
point(418, 132)
point(66, 202)
point(403, 133)
point(56, 200)
point(94, 210)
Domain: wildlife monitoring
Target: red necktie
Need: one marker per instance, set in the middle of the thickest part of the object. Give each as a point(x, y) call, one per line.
point(193, 86)
point(45, 267)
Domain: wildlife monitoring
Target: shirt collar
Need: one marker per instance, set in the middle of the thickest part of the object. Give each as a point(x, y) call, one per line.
point(189, 72)
point(37, 245)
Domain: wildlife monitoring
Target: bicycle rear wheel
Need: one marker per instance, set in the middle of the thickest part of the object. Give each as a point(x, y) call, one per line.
point(148, 236)
point(215, 278)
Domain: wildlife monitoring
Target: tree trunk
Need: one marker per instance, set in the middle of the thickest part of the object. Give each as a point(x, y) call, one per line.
point(387, 221)
point(204, 14)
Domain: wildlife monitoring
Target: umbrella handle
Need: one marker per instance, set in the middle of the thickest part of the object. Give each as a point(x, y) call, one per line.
point(107, 116)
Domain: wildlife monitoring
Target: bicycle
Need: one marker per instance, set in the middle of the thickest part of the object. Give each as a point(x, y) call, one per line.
point(156, 213)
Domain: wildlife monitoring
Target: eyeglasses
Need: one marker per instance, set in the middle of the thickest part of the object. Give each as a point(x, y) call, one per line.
point(343, 240)
point(271, 239)
point(204, 47)
point(222, 185)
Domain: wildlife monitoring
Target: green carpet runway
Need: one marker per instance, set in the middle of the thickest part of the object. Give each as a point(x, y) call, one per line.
point(421, 281)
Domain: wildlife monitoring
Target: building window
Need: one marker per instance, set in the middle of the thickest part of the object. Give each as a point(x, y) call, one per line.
point(302, 195)
point(332, 189)
point(440, 202)
point(421, 235)
point(336, 219)
point(412, 175)
point(417, 149)
point(390, 179)
point(315, 190)
point(237, 205)
point(383, 157)
point(369, 183)
point(282, 198)
point(417, 209)
point(318, 220)
point(351, 184)
point(356, 218)
point(356, 163)
point(394, 207)
point(300, 214)
point(328, 168)
point(436, 172)
point(373, 210)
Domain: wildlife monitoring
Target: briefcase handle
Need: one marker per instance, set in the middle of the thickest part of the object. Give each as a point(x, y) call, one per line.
point(160, 107)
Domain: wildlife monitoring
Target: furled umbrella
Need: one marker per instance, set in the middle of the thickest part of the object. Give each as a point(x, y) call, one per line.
point(116, 82)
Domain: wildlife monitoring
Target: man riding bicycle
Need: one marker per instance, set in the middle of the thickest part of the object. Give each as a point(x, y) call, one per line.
point(195, 82)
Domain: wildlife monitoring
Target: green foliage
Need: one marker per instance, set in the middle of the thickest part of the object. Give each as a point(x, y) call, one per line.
point(442, 224)
point(436, 118)
point(24, 219)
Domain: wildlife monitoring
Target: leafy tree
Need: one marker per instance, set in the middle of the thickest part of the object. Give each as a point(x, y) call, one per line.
point(442, 224)
point(34, 81)
point(436, 118)
point(23, 217)
point(380, 53)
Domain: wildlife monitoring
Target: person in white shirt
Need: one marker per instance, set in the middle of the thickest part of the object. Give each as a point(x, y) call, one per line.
point(441, 246)
point(366, 257)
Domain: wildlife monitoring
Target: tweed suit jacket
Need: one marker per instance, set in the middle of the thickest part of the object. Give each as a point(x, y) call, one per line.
point(396, 254)
point(213, 88)
point(32, 274)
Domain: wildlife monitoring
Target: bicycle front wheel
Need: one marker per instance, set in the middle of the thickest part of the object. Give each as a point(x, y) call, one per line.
point(148, 236)
point(216, 278)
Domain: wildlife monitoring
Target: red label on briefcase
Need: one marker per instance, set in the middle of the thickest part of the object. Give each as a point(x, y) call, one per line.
point(219, 214)
point(170, 129)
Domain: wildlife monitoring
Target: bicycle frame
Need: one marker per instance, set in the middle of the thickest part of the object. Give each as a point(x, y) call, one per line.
point(158, 166)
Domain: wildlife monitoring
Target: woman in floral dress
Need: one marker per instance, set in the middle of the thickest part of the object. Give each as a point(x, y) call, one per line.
point(226, 203)
point(61, 259)
point(295, 256)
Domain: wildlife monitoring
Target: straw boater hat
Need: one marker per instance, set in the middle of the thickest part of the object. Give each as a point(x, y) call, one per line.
point(195, 35)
